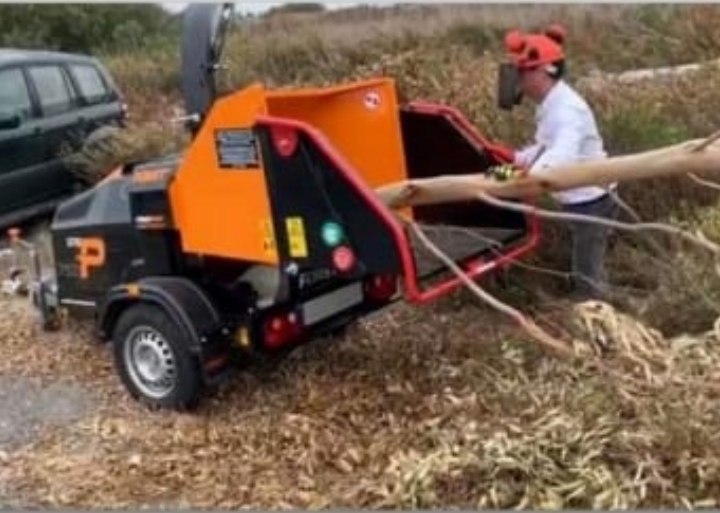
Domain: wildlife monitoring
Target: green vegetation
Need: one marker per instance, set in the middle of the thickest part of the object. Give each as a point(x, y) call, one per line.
point(85, 27)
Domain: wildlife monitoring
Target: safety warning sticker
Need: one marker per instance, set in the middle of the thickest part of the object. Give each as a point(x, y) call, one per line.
point(296, 237)
point(268, 237)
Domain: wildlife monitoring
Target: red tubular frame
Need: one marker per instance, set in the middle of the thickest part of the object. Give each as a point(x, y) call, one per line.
point(413, 292)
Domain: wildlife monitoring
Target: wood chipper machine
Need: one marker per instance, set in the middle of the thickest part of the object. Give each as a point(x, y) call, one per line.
point(265, 232)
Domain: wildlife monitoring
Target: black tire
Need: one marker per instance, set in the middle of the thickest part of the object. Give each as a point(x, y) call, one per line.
point(168, 340)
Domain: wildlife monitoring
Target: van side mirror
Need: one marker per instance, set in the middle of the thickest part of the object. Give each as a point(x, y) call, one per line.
point(9, 119)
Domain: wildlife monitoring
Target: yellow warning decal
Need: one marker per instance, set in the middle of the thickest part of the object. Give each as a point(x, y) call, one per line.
point(296, 237)
point(268, 237)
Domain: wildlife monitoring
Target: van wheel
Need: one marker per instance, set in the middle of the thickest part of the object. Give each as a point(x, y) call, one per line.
point(153, 361)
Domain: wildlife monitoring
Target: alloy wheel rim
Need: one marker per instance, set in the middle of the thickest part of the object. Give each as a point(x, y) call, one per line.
point(150, 362)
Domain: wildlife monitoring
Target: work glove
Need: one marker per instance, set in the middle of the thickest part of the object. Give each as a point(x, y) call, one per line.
point(505, 172)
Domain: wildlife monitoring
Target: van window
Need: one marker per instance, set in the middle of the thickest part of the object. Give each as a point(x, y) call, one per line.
point(53, 90)
point(14, 93)
point(91, 84)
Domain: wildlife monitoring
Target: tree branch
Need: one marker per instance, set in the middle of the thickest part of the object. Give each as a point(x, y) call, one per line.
point(699, 156)
point(626, 384)
point(703, 182)
point(528, 325)
point(633, 227)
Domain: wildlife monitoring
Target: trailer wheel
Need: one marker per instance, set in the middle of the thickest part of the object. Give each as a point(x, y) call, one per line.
point(153, 361)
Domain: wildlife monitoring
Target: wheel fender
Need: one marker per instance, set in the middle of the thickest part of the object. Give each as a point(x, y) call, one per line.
point(184, 301)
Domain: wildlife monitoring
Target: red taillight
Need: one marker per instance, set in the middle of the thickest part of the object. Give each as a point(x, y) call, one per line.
point(343, 258)
point(281, 329)
point(381, 288)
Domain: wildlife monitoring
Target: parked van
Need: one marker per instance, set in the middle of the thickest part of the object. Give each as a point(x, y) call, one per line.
point(48, 100)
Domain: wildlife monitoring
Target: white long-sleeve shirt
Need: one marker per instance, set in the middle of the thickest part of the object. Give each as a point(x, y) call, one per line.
point(567, 131)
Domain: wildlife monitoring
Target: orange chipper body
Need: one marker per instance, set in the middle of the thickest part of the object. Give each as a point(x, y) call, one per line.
point(226, 212)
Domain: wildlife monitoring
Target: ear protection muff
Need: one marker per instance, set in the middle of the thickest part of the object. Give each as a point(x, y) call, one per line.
point(557, 33)
point(515, 41)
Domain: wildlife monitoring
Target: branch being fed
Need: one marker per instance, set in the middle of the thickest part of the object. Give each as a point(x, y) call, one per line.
point(703, 182)
point(558, 347)
point(696, 157)
point(528, 325)
point(707, 142)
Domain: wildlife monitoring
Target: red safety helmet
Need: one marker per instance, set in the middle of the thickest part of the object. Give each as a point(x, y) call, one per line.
point(528, 51)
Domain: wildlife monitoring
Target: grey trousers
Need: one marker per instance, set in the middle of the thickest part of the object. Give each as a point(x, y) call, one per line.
point(589, 242)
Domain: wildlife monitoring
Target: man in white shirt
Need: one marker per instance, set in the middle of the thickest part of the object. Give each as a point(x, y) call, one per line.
point(566, 133)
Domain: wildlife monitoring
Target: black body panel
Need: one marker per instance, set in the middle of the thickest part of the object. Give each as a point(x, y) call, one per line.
point(106, 215)
point(433, 147)
point(463, 230)
point(306, 185)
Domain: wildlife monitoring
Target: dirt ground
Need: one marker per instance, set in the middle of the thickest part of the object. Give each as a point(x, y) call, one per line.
point(308, 433)
point(442, 406)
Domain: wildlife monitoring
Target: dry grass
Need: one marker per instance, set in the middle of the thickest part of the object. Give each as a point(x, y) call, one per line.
point(447, 406)
point(366, 25)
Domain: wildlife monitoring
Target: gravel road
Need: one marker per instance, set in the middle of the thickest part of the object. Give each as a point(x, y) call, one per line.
point(27, 408)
